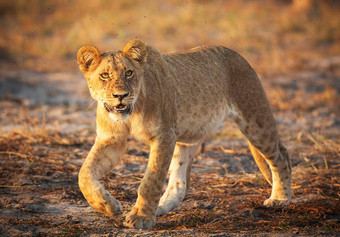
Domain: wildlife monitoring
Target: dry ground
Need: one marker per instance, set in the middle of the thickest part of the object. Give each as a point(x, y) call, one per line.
point(47, 118)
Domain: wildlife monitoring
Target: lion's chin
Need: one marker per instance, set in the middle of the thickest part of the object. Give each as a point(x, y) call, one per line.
point(118, 117)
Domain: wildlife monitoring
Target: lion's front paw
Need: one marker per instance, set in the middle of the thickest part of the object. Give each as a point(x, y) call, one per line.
point(113, 207)
point(133, 220)
point(108, 205)
point(271, 202)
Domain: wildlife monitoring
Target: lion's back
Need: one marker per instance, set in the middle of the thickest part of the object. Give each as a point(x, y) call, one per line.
point(200, 79)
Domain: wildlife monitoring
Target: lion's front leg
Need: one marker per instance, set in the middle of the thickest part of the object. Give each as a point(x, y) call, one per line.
point(100, 160)
point(143, 214)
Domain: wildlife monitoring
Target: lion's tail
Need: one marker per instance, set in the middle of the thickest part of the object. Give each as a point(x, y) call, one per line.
point(261, 163)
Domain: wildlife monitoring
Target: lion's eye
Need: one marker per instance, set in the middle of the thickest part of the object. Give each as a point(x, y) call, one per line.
point(104, 76)
point(129, 73)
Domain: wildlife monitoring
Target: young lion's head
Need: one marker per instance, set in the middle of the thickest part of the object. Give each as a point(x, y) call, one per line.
point(114, 78)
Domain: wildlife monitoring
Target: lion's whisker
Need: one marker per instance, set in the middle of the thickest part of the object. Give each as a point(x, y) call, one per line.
point(93, 101)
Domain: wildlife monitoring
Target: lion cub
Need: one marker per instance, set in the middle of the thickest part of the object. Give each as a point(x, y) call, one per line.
point(172, 102)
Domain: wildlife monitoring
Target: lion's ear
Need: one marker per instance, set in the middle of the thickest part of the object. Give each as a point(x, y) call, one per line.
point(88, 58)
point(136, 50)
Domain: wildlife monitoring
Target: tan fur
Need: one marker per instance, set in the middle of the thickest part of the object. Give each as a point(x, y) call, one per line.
point(173, 101)
point(261, 163)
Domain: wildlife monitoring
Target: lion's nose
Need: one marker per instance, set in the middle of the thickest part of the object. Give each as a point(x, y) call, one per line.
point(120, 96)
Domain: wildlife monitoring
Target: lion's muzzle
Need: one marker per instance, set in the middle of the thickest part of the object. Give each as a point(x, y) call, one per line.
point(121, 109)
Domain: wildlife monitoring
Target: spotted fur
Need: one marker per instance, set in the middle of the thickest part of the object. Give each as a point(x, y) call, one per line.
point(173, 102)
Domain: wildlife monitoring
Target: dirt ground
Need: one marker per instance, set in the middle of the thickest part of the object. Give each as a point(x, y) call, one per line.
point(47, 118)
point(47, 128)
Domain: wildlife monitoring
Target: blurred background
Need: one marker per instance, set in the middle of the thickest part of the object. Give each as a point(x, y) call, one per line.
point(276, 36)
point(47, 117)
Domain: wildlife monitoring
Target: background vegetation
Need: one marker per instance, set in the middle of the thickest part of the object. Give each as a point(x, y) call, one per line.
point(275, 36)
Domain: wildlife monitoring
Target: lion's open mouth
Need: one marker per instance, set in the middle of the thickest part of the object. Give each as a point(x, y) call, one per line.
point(122, 109)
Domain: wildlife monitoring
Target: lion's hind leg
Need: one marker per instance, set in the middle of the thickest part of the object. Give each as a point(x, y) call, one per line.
point(280, 165)
point(179, 178)
point(261, 163)
point(265, 145)
point(278, 159)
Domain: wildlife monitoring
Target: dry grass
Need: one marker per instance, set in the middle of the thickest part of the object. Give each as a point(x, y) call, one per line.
point(45, 35)
point(34, 170)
